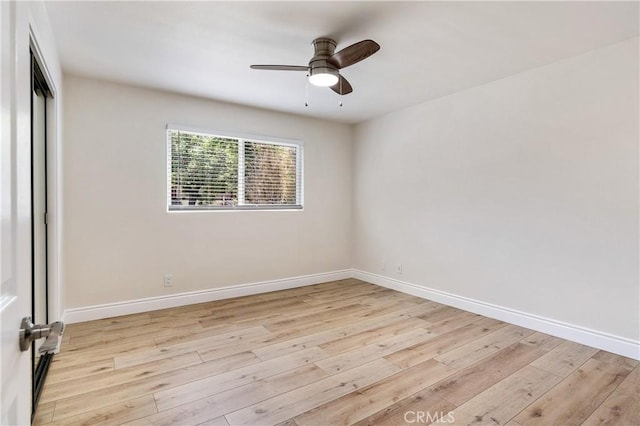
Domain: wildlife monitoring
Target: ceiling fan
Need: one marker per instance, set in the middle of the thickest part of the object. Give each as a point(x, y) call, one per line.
point(325, 65)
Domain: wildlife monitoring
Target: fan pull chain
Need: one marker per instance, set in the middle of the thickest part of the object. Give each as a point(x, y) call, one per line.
point(306, 92)
point(340, 104)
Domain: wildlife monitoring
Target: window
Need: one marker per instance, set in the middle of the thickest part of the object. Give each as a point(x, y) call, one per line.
point(214, 172)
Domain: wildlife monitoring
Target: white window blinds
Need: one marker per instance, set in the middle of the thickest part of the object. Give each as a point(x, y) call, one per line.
point(210, 172)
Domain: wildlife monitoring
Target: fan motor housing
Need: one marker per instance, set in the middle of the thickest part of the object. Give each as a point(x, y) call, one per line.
point(323, 49)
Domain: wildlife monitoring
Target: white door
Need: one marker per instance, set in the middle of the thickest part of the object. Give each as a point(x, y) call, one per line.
point(15, 234)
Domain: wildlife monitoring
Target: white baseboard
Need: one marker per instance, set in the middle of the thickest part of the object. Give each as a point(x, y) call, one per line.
point(109, 310)
point(597, 339)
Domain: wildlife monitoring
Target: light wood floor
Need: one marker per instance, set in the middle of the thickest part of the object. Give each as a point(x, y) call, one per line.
point(343, 352)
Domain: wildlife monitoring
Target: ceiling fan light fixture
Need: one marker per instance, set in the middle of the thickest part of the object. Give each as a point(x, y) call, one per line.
point(324, 66)
point(323, 76)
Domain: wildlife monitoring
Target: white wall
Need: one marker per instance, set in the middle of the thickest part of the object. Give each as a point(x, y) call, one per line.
point(522, 193)
point(120, 241)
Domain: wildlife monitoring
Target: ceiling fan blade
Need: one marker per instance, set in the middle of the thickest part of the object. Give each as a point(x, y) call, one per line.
point(342, 87)
point(354, 53)
point(280, 67)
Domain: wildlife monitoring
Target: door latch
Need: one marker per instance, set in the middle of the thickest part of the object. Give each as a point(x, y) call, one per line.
point(30, 332)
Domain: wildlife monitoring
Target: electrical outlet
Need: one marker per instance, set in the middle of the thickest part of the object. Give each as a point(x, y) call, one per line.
point(168, 280)
point(399, 268)
point(383, 265)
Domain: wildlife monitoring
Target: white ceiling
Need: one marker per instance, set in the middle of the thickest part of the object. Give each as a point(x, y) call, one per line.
point(428, 49)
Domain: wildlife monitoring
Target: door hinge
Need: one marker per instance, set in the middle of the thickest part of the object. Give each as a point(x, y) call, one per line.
point(46, 218)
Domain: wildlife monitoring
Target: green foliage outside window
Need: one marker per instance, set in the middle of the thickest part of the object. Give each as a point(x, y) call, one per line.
point(217, 172)
point(270, 174)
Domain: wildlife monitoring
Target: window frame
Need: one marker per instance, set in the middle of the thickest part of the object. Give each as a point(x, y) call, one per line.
point(241, 138)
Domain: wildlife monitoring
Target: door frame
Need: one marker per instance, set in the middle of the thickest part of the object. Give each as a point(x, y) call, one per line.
point(52, 189)
point(54, 183)
point(40, 367)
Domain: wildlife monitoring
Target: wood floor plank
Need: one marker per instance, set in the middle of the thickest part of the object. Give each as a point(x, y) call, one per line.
point(322, 288)
point(543, 341)
point(356, 406)
point(619, 360)
point(221, 403)
point(204, 312)
point(364, 296)
point(149, 355)
point(255, 309)
point(370, 336)
point(188, 311)
point(214, 338)
point(331, 334)
point(284, 340)
point(220, 421)
point(345, 292)
point(113, 414)
point(502, 401)
point(105, 348)
point(101, 353)
point(289, 422)
point(453, 322)
point(206, 343)
point(464, 384)
point(622, 407)
point(290, 404)
point(373, 299)
point(467, 354)
point(77, 331)
point(442, 313)
point(257, 342)
point(304, 310)
point(306, 290)
point(58, 373)
point(565, 358)
point(44, 413)
point(198, 389)
point(231, 302)
point(106, 379)
point(333, 315)
point(343, 352)
point(440, 344)
point(168, 327)
point(410, 410)
point(353, 358)
point(107, 324)
point(148, 385)
point(288, 346)
point(213, 327)
point(575, 398)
